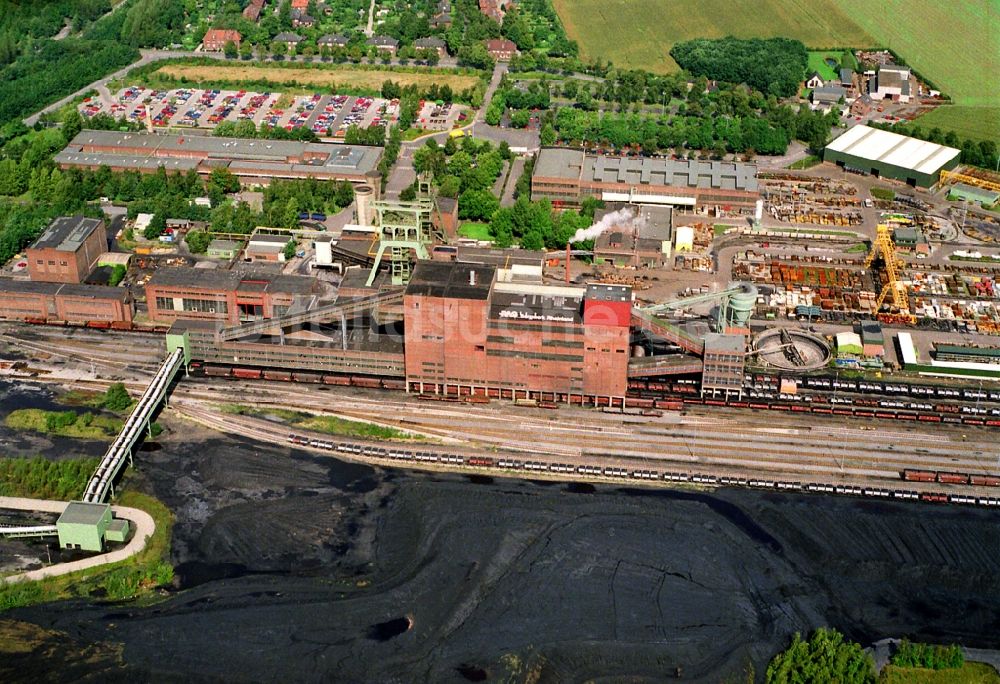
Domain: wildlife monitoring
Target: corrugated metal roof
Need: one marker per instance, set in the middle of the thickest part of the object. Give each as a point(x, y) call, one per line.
point(903, 151)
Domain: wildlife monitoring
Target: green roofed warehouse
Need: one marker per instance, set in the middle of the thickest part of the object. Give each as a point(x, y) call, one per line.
point(890, 155)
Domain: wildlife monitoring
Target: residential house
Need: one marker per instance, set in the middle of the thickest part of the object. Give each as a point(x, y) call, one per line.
point(432, 43)
point(494, 9)
point(291, 40)
point(442, 15)
point(814, 81)
point(302, 20)
point(385, 44)
point(215, 39)
point(300, 5)
point(829, 95)
point(892, 82)
point(252, 11)
point(333, 41)
point(862, 106)
point(847, 78)
point(501, 49)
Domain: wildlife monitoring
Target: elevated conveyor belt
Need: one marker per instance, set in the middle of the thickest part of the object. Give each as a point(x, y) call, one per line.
point(647, 366)
point(121, 449)
point(318, 315)
point(28, 531)
point(656, 327)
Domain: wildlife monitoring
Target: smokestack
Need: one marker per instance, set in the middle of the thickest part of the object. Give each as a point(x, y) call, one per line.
point(472, 277)
point(567, 263)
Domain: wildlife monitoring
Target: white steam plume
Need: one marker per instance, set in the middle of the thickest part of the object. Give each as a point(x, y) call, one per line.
point(622, 217)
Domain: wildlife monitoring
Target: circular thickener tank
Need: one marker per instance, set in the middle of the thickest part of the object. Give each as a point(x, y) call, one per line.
point(363, 196)
point(742, 304)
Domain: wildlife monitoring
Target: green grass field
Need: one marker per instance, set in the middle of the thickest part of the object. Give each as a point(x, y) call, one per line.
point(954, 44)
point(817, 63)
point(475, 230)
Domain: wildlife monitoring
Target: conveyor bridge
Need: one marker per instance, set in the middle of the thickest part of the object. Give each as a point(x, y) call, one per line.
point(646, 366)
point(101, 483)
point(320, 314)
point(657, 327)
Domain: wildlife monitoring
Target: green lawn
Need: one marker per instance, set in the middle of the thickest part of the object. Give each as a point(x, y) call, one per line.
point(806, 163)
point(475, 230)
point(970, 673)
point(817, 63)
point(332, 425)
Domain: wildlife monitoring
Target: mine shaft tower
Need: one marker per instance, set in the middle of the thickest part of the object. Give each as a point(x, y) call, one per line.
point(404, 229)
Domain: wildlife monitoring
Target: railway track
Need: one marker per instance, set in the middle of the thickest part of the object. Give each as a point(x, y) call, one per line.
point(781, 444)
point(637, 471)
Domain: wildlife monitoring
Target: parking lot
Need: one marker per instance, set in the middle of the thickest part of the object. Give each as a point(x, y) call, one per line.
point(326, 115)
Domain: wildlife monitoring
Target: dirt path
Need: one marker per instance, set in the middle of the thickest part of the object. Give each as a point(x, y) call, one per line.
point(141, 521)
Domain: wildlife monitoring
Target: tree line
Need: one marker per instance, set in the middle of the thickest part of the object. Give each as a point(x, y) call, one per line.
point(718, 134)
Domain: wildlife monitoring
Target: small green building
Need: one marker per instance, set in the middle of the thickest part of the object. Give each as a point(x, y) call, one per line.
point(117, 530)
point(961, 191)
point(83, 526)
point(223, 249)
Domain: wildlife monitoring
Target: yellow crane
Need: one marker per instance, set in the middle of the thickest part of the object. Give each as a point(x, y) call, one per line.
point(883, 247)
point(956, 177)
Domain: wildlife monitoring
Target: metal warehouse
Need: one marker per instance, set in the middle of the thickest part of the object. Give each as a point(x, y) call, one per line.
point(253, 161)
point(890, 155)
point(568, 176)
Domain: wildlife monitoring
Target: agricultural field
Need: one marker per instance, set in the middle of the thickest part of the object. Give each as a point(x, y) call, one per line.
point(921, 31)
point(954, 44)
point(975, 123)
point(346, 78)
point(639, 33)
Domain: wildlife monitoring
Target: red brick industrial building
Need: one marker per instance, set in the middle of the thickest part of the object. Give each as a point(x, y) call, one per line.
point(24, 300)
point(230, 297)
point(67, 250)
point(468, 333)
